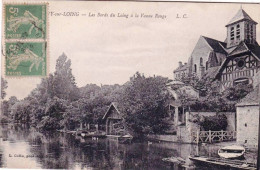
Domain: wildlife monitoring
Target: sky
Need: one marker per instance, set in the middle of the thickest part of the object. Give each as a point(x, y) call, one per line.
point(106, 50)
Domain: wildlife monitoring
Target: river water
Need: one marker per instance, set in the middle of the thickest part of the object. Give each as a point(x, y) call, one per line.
point(23, 147)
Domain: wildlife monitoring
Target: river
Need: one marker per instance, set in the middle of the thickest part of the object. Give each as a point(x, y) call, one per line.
point(23, 147)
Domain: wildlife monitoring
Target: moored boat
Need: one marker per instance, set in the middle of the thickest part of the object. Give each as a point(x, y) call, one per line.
point(177, 160)
point(125, 139)
point(231, 152)
point(222, 163)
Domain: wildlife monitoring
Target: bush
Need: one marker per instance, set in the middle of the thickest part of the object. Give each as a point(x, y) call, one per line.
point(4, 119)
point(214, 123)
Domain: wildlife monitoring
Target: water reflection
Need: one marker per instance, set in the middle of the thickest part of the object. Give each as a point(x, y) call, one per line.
point(24, 147)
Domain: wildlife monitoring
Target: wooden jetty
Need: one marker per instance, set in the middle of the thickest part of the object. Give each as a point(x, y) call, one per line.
point(223, 163)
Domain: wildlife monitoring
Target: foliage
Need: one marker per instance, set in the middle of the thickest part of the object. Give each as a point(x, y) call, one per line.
point(3, 87)
point(63, 82)
point(215, 123)
point(4, 119)
point(20, 112)
point(211, 97)
point(144, 102)
point(57, 103)
point(237, 92)
point(190, 79)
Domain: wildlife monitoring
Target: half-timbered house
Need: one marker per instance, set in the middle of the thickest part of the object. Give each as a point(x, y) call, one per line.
point(237, 60)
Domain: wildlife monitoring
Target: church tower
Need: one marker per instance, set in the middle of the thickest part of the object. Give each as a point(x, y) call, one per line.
point(241, 28)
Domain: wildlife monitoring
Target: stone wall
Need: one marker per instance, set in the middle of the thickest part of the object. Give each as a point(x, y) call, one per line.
point(256, 79)
point(247, 125)
point(183, 134)
point(231, 119)
point(201, 50)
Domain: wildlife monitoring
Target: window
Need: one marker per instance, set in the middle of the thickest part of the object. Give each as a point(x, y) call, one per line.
point(195, 68)
point(232, 33)
point(251, 34)
point(201, 61)
point(247, 32)
point(207, 65)
point(241, 63)
point(238, 31)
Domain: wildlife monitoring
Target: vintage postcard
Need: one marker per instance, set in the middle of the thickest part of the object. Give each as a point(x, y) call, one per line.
point(130, 85)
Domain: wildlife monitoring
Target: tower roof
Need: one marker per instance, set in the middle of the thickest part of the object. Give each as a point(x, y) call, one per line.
point(241, 15)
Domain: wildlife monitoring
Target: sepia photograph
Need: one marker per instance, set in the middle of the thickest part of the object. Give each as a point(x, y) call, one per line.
point(129, 85)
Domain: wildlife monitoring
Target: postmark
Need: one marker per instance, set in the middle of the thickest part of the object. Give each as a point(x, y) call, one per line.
point(25, 58)
point(25, 21)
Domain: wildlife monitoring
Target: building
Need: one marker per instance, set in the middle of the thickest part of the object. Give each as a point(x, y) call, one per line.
point(234, 61)
point(113, 120)
point(248, 119)
point(182, 70)
point(208, 53)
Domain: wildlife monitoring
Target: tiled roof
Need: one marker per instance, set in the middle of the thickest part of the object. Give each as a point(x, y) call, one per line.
point(250, 99)
point(216, 45)
point(241, 47)
point(115, 105)
point(255, 49)
point(211, 72)
point(241, 15)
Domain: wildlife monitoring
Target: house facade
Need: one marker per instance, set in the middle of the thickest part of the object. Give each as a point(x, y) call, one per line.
point(236, 60)
point(248, 119)
point(181, 71)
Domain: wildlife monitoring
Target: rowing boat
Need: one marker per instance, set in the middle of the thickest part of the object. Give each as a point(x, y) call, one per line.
point(231, 152)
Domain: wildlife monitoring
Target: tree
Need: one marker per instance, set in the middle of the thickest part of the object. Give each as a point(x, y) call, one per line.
point(20, 112)
point(3, 87)
point(211, 98)
point(53, 115)
point(63, 82)
point(144, 104)
point(49, 106)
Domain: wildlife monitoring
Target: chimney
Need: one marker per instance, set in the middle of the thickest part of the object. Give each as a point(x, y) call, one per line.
point(180, 64)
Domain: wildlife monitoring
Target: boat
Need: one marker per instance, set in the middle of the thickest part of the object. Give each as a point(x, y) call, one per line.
point(177, 160)
point(222, 163)
point(232, 152)
point(126, 139)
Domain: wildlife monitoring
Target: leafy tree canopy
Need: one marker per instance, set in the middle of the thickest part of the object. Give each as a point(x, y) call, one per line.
point(144, 103)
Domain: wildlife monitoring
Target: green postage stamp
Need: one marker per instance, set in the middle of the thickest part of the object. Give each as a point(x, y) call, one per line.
point(25, 39)
point(25, 21)
point(26, 59)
